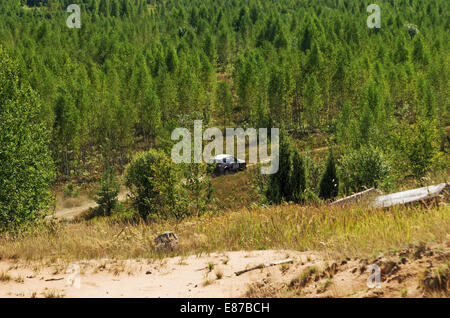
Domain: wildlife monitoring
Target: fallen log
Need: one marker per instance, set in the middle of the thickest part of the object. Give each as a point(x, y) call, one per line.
point(53, 279)
point(260, 266)
point(425, 194)
point(366, 195)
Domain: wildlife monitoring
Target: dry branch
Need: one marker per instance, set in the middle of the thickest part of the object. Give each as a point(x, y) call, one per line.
point(260, 266)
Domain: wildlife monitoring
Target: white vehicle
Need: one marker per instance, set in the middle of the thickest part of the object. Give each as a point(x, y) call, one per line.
point(226, 164)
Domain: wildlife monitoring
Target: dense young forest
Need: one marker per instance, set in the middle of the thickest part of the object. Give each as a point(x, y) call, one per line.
point(137, 69)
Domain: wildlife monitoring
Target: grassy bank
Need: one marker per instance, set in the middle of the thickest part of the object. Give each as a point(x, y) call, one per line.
point(341, 232)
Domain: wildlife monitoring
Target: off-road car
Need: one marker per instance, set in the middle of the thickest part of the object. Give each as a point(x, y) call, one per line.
point(227, 164)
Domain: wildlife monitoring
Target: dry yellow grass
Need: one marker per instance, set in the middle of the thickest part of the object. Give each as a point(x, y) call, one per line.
point(351, 232)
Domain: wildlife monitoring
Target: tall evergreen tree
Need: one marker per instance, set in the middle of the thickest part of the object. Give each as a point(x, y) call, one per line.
point(298, 177)
point(225, 102)
point(329, 184)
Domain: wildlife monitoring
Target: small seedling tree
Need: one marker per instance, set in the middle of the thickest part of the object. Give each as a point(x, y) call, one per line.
point(107, 195)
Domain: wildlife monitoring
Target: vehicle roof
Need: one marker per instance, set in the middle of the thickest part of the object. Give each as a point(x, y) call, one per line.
point(222, 156)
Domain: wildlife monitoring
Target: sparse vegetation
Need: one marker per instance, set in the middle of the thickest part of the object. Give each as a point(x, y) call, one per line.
point(207, 282)
point(284, 268)
point(325, 285)
point(437, 280)
point(4, 276)
point(19, 279)
point(303, 278)
point(52, 293)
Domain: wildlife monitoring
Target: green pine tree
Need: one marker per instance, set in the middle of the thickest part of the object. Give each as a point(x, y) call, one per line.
point(298, 177)
point(329, 184)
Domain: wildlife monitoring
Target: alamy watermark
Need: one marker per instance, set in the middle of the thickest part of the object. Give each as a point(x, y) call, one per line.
point(374, 280)
point(374, 20)
point(257, 145)
point(73, 280)
point(74, 20)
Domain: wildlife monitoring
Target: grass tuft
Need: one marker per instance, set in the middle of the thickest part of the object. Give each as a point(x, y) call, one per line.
point(52, 293)
point(4, 276)
point(303, 279)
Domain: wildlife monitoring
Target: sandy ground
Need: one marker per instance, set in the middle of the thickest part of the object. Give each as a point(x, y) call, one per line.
point(213, 275)
point(171, 277)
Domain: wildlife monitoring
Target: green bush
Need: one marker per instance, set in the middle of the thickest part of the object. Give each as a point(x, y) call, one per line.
point(198, 185)
point(314, 174)
point(422, 148)
point(107, 194)
point(364, 168)
point(124, 215)
point(138, 178)
point(26, 167)
point(156, 186)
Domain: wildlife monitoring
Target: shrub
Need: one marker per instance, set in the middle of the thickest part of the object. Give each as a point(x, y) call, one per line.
point(172, 199)
point(314, 170)
point(122, 214)
point(198, 185)
point(107, 194)
point(363, 168)
point(156, 186)
point(311, 197)
point(138, 179)
point(422, 148)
